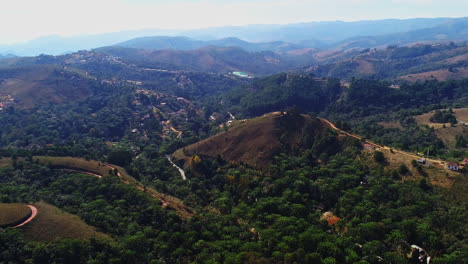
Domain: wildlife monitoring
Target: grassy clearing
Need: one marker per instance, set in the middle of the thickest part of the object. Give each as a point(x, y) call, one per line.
point(461, 114)
point(436, 174)
point(424, 119)
point(12, 214)
point(446, 132)
point(52, 223)
point(441, 75)
point(5, 162)
point(75, 163)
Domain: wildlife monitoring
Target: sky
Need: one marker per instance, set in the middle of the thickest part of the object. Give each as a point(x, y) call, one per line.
point(22, 20)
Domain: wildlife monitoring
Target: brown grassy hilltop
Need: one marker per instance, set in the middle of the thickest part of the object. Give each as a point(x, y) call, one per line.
point(13, 214)
point(42, 84)
point(256, 141)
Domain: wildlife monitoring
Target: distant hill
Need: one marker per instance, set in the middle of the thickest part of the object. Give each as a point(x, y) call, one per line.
point(394, 61)
point(185, 43)
point(256, 141)
point(7, 55)
point(323, 35)
point(318, 33)
point(31, 85)
point(280, 91)
point(210, 59)
point(450, 30)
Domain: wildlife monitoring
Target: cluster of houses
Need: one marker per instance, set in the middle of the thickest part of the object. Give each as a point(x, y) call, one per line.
point(455, 166)
point(6, 101)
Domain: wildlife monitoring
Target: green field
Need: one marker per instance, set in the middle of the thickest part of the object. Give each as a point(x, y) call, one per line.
point(13, 214)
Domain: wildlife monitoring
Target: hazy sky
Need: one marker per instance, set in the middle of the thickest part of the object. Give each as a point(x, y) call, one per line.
point(22, 20)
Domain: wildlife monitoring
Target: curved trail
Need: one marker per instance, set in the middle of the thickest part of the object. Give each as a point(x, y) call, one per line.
point(33, 215)
point(330, 124)
point(166, 200)
point(99, 169)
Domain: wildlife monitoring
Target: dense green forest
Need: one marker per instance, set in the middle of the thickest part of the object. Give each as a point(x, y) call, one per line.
point(269, 216)
point(243, 214)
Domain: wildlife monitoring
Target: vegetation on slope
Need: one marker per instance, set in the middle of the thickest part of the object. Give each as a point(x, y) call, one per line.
point(12, 214)
point(52, 224)
point(256, 141)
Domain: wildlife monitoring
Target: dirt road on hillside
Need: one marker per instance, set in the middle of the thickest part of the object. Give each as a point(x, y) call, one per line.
point(331, 125)
point(33, 215)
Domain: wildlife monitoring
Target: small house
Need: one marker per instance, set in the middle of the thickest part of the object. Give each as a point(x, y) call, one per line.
point(453, 166)
point(368, 146)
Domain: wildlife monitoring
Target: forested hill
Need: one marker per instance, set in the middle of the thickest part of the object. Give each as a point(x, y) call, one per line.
point(356, 98)
point(393, 61)
point(185, 43)
point(210, 59)
point(257, 141)
point(277, 188)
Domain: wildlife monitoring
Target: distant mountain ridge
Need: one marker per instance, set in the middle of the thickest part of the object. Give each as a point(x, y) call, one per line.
point(209, 59)
point(323, 35)
point(7, 55)
point(185, 43)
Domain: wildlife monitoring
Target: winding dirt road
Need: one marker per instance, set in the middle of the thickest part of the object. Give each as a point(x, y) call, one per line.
point(331, 125)
point(33, 215)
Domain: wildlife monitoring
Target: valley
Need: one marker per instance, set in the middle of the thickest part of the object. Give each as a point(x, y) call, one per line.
point(322, 142)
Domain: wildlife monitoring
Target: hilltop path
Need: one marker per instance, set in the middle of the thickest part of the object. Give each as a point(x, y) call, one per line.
point(33, 215)
point(99, 169)
point(331, 125)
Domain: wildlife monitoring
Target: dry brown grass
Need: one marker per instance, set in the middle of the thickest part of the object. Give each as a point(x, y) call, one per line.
point(74, 163)
point(42, 84)
point(365, 67)
point(440, 75)
point(52, 223)
point(424, 119)
point(448, 133)
point(5, 162)
point(461, 114)
point(254, 141)
point(14, 213)
point(436, 174)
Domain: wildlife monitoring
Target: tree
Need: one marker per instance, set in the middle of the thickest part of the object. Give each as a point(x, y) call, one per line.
point(460, 142)
point(402, 169)
point(379, 157)
point(120, 157)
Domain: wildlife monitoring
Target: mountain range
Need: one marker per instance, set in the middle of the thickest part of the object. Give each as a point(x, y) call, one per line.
point(321, 35)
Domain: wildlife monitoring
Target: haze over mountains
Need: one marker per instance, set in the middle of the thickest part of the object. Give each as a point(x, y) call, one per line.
point(321, 35)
